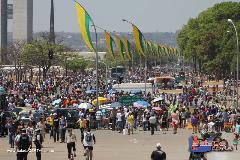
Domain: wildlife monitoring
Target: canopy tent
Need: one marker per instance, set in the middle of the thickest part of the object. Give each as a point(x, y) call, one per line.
point(116, 105)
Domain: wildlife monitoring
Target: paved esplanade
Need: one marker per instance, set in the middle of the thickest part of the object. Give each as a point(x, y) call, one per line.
point(114, 146)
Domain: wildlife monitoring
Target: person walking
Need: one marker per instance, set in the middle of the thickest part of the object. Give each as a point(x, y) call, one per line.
point(22, 142)
point(130, 120)
point(144, 121)
point(152, 122)
point(62, 128)
point(88, 139)
point(175, 121)
point(119, 121)
point(55, 128)
point(30, 131)
point(50, 123)
point(158, 154)
point(41, 125)
point(11, 132)
point(38, 140)
point(164, 121)
point(71, 140)
point(82, 124)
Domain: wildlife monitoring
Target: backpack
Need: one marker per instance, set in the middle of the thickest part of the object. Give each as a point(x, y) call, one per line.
point(24, 142)
point(88, 137)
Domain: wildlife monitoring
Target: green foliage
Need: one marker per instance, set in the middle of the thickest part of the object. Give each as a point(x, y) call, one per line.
point(77, 65)
point(205, 39)
point(37, 53)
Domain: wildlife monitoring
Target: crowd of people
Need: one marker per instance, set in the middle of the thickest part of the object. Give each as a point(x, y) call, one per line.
point(196, 108)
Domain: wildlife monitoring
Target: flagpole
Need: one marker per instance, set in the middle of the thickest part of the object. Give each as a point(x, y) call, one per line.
point(145, 76)
point(145, 66)
point(96, 51)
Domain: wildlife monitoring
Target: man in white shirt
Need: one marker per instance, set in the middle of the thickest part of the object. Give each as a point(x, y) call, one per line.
point(88, 139)
point(152, 121)
point(210, 126)
point(119, 121)
point(71, 139)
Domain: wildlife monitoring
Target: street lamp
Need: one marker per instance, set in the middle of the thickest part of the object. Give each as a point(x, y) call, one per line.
point(231, 21)
point(106, 70)
point(102, 61)
point(145, 64)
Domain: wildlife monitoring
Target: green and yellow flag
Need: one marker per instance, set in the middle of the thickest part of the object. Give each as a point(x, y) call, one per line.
point(149, 47)
point(139, 40)
point(127, 47)
point(169, 50)
point(176, 51)
point(159, 50)
point(156, 49)
point(164, 49)
point(84, 22)
point(109, 44)
point(120, 47)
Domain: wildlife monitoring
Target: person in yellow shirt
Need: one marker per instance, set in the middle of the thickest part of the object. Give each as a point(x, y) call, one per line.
point(130, 120)
point(50, 123)
point(82, 124)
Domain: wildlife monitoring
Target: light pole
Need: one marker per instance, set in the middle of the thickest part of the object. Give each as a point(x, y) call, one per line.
point(102, 61)
point(106, 68)
point(231, 21)
point(145, 64)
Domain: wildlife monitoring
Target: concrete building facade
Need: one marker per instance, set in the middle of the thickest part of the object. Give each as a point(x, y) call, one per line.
point(3, 30)
point(22, 20)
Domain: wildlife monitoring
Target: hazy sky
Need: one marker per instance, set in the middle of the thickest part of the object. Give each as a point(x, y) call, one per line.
point(148, 15)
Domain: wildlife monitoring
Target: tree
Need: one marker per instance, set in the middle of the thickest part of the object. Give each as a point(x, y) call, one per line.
point(206, 42)
point(37, 53)
point(77, 65)
point(15, 51)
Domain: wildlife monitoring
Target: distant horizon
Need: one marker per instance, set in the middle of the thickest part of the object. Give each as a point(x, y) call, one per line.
point(158, 16)
point(97, 32)
point(150, 17)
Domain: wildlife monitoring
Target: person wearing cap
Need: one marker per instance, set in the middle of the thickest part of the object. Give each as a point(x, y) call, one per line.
point(158, 154)
point(55, 127)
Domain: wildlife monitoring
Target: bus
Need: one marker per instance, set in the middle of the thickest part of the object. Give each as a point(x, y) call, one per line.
point(118, 71)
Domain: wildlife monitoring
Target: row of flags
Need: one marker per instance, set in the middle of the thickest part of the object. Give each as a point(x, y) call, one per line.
point(123, 45)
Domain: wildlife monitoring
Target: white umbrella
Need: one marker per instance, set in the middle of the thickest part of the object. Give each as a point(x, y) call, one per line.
point(85, 106)
point(158, 99)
